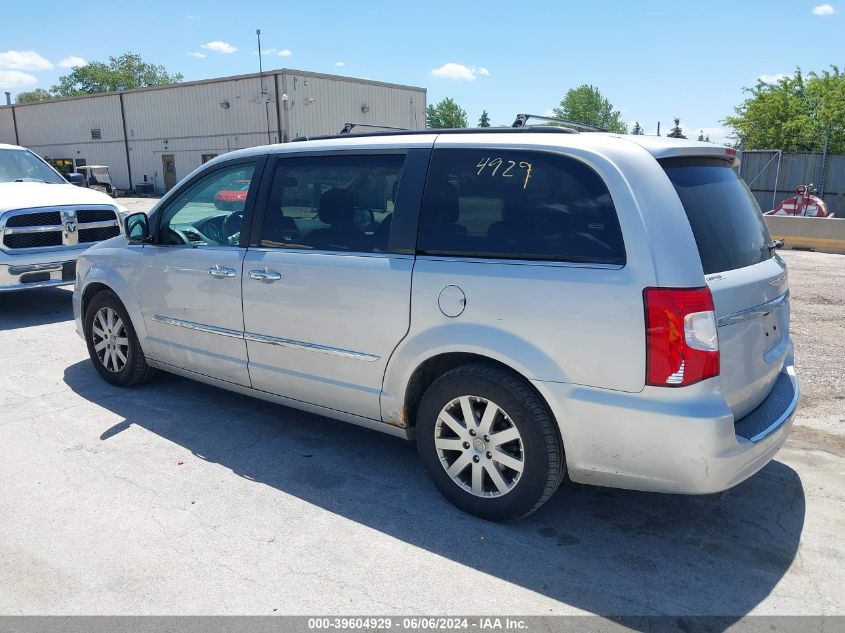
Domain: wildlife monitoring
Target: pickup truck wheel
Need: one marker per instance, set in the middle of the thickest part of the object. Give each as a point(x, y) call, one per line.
point(489, 442)
point(112, 342)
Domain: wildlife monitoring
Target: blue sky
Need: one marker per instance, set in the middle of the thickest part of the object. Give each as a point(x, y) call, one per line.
point(654, 60)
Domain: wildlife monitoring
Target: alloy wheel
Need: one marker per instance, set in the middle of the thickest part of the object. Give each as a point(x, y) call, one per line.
point(479, 446)
point(111, 345)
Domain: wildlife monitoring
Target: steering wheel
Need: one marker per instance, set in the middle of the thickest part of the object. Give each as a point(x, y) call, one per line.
point(232, 224)
point(181, 236)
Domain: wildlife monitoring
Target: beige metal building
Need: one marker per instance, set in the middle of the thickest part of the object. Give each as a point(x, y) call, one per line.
point(160, 134)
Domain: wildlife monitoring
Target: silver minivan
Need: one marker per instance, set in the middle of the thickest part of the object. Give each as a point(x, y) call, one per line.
point(525, 303)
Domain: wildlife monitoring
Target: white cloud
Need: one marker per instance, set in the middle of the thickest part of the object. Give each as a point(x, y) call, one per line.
point(197, 55)
point(219, 46)
point(459, 72)
point(340, 64)
point(266, 51)
point(15, 79)
point(823, 9)
point(285, 52)
point(771, 79)
point(71, 61)
point(24, 60)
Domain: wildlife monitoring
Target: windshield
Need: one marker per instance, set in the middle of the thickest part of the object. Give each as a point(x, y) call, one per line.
point(101, 175)
point(20, 165)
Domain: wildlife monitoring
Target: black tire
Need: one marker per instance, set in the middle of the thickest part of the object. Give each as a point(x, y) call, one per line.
point(544, 463)
point(135, 370)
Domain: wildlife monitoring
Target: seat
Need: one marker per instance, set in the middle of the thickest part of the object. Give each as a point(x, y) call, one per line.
point(440, 220)
point(517, 232)
point(337, 209)
point(381, 235)
point(279, 229)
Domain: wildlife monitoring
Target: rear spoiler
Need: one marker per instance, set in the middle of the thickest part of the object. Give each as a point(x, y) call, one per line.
point(661, 147)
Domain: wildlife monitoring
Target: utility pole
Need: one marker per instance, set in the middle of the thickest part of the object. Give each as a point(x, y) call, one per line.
point(658, 128)
point(824, 160)
point(263, 91)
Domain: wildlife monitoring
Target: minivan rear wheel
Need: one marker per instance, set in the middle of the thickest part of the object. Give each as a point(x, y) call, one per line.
point(489, 442)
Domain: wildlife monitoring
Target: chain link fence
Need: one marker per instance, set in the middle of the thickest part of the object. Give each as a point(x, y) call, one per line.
point(773, 175)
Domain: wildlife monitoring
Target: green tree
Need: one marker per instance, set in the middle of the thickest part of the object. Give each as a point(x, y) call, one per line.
point(585, 104)
point(39, 94)
point(676, 131)
point(446, 114)
point(794, 114)
point(703, 137)
point(637, 129)
point(120, 73)
point(484, 121)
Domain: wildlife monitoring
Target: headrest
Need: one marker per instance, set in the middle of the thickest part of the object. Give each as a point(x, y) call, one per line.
point(443, 205)
point(336, 207)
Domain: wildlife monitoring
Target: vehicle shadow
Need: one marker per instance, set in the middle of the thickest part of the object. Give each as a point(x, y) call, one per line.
point(38, 306)
point(615, 553)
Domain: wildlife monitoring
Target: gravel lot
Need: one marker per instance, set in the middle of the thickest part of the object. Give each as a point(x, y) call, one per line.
point(178, 498)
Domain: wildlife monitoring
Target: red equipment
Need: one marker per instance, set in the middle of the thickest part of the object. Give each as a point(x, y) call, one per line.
point(805, 204)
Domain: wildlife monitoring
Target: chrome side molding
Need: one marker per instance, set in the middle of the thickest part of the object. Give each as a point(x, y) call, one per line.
point(199, 327)
point(314, 347)
point(270, 340)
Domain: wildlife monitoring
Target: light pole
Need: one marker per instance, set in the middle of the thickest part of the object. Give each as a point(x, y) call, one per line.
point(263, 92)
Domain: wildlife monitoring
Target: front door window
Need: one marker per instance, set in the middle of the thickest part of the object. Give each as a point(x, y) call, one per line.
point(211, 212)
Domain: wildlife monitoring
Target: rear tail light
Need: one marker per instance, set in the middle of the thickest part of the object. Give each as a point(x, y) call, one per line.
point(682, 344)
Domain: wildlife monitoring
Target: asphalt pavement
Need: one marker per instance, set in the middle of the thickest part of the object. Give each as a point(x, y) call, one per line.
point(180, 498)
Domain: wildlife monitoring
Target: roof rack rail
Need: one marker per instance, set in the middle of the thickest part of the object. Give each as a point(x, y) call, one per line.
point(522, 120)
point(348, 127)
point(437, 131)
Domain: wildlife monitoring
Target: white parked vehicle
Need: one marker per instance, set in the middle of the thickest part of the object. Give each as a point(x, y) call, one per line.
point(523, 302)
point(46, 222)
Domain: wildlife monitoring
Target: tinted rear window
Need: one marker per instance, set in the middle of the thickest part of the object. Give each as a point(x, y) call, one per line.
point(517, 205)
point(726, 221)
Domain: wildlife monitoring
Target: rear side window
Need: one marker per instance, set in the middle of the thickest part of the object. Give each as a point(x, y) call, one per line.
point(517, 205)
point(333, 203)
point(726, 221)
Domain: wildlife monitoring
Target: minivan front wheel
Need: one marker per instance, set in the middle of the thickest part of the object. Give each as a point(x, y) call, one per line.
point(112, 342)
point(489, 442)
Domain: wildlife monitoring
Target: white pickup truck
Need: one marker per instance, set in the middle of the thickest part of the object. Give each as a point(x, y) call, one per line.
point(46, 222)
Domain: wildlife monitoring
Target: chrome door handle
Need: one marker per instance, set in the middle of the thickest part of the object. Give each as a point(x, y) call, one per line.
point(264, 275)
point(221, 271)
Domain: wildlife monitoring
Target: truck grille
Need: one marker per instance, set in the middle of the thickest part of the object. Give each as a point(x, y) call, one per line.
point(94, 215)
point(97, 235)
point(35, 219)
point(33, 240)
point(57, 227)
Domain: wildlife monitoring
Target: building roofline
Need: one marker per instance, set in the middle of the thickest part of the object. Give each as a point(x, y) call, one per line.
point(214, 80)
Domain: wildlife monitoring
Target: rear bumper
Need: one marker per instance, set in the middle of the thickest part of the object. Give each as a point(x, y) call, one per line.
point(669, 440)
point(38, 270)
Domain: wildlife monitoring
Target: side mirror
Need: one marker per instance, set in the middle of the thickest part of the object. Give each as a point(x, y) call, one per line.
point(75, 178)
point(137, 227)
